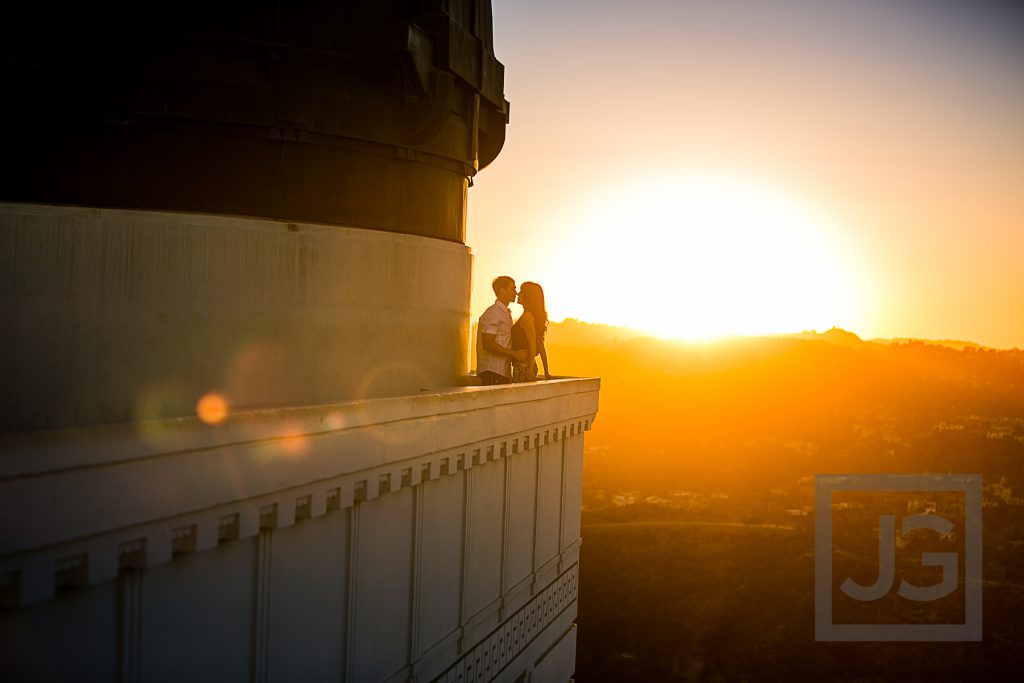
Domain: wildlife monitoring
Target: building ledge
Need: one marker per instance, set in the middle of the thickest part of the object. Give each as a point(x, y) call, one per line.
point(98, 500)
point(53, 451)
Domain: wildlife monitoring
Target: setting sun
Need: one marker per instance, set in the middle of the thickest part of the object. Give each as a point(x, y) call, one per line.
point(700, 257)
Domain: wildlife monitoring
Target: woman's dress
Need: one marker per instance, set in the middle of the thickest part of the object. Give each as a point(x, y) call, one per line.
point(521, 341)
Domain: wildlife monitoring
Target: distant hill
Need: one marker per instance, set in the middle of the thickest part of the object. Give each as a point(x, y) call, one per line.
point(948, 343)
point(750, 414)
point(660, 396)
point(573, 332)
point(835, 335)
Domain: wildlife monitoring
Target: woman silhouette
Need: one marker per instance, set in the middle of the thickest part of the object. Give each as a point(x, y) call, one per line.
point(528, 333)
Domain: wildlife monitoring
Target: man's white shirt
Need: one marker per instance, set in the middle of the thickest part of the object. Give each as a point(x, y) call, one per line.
point(496, 320)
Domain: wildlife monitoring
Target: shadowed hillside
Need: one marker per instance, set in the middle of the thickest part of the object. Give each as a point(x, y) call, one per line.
point(666, 403)
point(698, 543)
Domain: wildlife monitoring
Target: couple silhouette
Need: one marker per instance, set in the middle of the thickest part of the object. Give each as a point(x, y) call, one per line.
point(507, 351)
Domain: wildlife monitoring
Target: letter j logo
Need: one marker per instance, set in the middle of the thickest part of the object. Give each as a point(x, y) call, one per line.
point(957, 536)
point(887, 563)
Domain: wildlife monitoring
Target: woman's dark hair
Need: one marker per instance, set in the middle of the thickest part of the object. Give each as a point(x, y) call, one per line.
point(531, 297)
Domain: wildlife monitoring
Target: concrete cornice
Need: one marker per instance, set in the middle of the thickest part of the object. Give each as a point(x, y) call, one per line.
point(51, 452)
point(88, 503)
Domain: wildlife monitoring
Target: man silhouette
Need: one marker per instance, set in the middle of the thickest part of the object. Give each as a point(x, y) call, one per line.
point(495, 335)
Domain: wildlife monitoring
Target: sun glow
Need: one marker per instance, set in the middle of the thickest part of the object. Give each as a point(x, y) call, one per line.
point(703, 257)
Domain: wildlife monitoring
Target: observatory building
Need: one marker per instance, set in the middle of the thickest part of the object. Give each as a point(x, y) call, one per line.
point(238, 439)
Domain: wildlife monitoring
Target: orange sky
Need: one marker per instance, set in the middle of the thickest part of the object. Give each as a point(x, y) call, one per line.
point(699, 169)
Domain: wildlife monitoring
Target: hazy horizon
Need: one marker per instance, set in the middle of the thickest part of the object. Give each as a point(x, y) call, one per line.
point(634, 332)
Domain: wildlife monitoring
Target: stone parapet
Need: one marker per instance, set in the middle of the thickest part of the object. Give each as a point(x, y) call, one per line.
point(408, 532)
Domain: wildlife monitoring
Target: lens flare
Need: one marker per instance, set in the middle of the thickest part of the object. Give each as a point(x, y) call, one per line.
point(212, 408)
point(392, 378)
point(335, 420)
point(295, 441)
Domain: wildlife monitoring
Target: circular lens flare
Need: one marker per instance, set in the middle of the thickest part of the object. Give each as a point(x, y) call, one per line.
point(295, 441)
point(212, 408)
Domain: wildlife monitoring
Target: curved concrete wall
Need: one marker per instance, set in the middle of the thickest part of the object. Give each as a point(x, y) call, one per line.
point(355, 113)
point(113, 315)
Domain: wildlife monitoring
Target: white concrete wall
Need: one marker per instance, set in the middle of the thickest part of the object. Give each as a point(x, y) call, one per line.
point(112, 315)
point(309, 579)
point(408, 538)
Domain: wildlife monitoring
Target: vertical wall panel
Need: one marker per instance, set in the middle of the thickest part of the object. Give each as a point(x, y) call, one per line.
point(309, 578)
point(197, 616)
point(384, 576)
point(549, 502)
point(72, 637)
point(441, 561)
point(573, 488)
point(486, 529)
point(130, 608)
point(522, 508)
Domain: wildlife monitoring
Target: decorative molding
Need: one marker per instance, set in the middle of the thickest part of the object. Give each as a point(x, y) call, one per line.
point(485, 660)
point(109, 540)
point(43, 453)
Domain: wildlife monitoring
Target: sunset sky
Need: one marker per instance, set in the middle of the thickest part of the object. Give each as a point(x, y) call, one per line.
point(698, 169)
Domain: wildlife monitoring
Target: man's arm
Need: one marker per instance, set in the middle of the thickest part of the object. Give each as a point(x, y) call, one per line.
point(491, 345)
